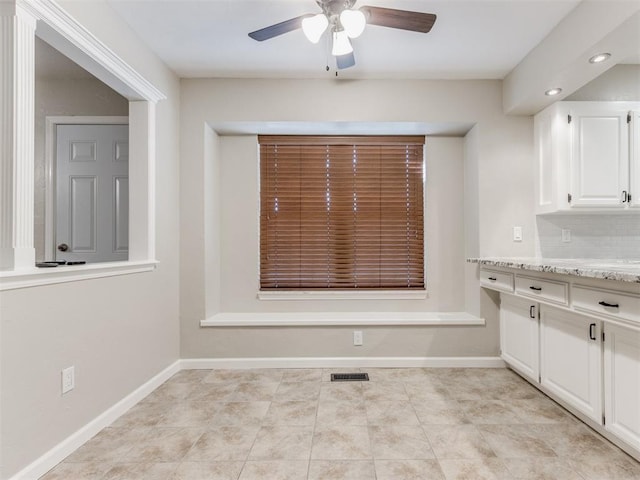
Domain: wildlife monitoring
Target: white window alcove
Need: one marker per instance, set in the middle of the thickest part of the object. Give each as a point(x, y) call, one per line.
point(20, 22)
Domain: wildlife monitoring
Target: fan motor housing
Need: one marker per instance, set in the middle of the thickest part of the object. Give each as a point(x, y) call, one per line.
point(333, 8)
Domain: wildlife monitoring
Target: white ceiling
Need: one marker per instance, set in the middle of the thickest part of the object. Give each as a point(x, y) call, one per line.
point(470, 39)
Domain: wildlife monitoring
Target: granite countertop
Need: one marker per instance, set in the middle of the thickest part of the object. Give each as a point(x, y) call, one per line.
point(607, 269)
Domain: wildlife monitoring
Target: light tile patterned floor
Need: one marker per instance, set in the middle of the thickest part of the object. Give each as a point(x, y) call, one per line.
point(409, 423)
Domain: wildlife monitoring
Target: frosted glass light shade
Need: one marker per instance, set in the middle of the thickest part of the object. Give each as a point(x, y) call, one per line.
point(353, 22)
point(314, 27)
point(341, 44)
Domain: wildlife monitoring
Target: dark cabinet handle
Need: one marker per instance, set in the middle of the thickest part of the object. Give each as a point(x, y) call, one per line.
point(625, 196)
point(592, 331)
point(493, 279)
point(532, 311)
point(605, 304)
point(537, 289)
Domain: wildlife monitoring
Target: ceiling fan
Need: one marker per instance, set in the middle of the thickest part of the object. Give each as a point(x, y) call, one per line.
point(344, 23)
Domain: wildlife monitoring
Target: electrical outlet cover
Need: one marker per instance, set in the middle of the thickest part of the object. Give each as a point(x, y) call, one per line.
point(68, 379)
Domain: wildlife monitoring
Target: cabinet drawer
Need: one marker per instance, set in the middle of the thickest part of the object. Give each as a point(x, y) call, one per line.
point(606, 302)
point(544, 290)
point(496, 280)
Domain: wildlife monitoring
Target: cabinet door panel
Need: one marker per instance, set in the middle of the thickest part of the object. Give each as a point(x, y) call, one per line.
point(622, 383)
point(600, 158)
point(519, 335)
point(571, 359)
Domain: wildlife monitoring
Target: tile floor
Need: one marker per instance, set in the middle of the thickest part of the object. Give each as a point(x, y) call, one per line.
point(294, 424)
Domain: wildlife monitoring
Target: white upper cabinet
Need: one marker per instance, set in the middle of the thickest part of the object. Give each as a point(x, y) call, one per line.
point(585, 158)
point(599, 156)
point(551, 134)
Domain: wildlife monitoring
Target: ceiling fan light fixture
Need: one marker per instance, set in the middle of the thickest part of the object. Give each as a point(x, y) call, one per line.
point(353, 22)
point(341, 44)
point(314, 27)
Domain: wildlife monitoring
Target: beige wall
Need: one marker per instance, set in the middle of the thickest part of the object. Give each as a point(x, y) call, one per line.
point(240, 249)
point(485, 178)
point(118, 332)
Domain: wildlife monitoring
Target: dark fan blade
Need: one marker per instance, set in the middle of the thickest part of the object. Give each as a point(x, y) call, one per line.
point(345, 61)
point(403, 19)
point(278, 29)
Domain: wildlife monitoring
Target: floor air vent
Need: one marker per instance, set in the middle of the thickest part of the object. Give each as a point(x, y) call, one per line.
point(349, 377)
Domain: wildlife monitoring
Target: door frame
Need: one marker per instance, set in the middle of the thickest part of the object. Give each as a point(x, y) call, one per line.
point(51, 124)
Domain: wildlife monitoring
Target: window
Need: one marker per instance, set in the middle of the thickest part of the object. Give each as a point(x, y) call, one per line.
point(341, 212)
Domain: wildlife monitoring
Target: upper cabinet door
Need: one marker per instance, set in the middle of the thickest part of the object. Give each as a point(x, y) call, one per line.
point(599, 156)
point(635, 160)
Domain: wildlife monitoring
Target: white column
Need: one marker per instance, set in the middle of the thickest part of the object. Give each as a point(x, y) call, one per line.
point(17, 58)
point(142, 195)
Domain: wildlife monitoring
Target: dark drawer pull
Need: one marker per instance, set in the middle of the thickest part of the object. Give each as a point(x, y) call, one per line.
point(532, 311)
point(592, 331)
point(493, 279)
point(605, 304)
point(537, 289)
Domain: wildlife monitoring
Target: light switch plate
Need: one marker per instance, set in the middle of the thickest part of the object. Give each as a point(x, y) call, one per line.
point(517, 234)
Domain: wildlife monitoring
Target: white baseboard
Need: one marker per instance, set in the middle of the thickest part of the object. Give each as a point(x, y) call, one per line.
point(58, 453)
point(337, 362)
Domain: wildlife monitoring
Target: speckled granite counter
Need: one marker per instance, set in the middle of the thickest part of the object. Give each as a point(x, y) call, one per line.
point(618, 270)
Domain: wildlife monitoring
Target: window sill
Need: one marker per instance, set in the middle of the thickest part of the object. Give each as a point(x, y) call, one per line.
point(343, 295)
point(314, 319)
point(34, 277)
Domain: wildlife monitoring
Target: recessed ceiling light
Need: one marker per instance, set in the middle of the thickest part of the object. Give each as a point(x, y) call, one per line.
point(552, 92)
point(601, 57)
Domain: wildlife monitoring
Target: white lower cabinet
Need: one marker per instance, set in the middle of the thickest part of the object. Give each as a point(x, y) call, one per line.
point(519, 335)
point(571, 359)
point(622, 383)
point(585, 355)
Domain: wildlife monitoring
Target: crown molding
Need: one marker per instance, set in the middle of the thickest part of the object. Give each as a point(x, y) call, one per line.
point(57, 19)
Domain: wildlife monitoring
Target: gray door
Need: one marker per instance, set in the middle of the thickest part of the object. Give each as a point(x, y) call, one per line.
point(92, 193)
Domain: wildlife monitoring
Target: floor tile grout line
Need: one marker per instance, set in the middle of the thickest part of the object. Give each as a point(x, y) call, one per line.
point(313, 430)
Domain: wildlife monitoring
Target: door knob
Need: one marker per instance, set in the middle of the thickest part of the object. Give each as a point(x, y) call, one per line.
point(63, 247)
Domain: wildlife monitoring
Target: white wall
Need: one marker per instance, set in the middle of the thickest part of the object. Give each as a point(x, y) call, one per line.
point(117, 331)
point(501, 153)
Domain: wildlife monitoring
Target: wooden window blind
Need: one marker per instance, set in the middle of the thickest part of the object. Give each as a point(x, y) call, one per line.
point(341, 212)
